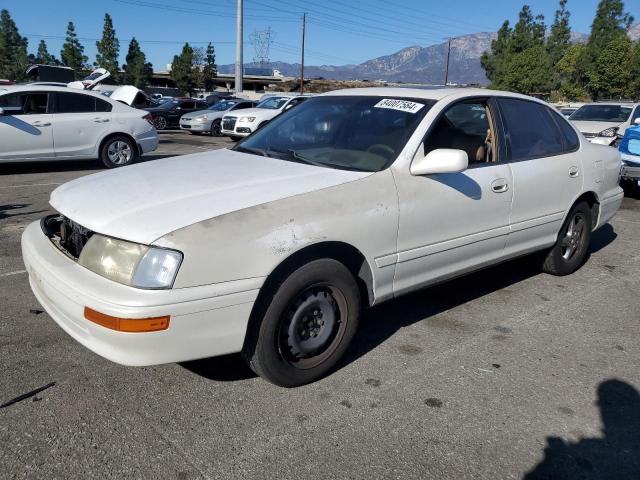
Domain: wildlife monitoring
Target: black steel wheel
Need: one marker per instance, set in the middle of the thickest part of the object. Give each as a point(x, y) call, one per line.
point(307, 325)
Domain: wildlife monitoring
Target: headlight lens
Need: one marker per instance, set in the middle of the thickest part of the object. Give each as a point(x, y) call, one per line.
point(246, 119)
point(201, 118)
point(129, 263)
point(609, 132)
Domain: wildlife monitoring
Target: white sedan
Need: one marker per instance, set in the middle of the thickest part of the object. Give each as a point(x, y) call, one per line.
point(241, 124)
point(42, 123)
point(274, 247)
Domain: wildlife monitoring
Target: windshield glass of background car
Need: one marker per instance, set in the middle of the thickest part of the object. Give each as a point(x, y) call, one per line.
point(272, 103)
point(222, 106)
point(602, 113)
point(348, 132)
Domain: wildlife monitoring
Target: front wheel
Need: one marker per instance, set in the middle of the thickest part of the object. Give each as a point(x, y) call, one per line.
point(216, 129)
point(118, 151)
point(160, 122)
point(571, 248)
point(307, 326)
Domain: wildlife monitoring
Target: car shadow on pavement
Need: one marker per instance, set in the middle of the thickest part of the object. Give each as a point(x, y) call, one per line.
point(601, 238)
point(52, 166)
point(616, 455)
point(227, 368)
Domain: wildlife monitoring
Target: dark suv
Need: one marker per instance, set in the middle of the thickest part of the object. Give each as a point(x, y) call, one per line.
point(167, 114)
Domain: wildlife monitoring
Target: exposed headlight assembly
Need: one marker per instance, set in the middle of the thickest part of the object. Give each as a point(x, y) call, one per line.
point(130, 263)
point(246, 119)
point(201, 118)
point(609, 132)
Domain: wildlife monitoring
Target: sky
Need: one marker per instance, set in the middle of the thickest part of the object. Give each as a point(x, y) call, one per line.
point(338, 32)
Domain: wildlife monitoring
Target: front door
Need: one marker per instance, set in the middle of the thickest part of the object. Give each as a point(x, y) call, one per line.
point(455, 222)
point(547, 172)
point(25, 127)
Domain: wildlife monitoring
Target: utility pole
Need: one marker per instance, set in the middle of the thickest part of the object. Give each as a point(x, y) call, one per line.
point(446, 71)
point(239, 47)
point(304, 24)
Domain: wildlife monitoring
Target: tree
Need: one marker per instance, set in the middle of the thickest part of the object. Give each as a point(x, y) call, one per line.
point(610, 76)
point(108, 48)
point(13, 49)
point(560, 35)
point(182, 70)
point(527, 32)
point(609, 28)
point(72, 53)
point(137, 71)
point(634, 86)
point(571, 75)
point(528, 71)
point(210, 70)
point(43, 56)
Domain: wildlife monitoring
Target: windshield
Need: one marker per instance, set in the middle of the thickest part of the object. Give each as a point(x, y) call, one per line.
point(602, 113)
point(345, 132)
point(221, 106)
point(272, 103)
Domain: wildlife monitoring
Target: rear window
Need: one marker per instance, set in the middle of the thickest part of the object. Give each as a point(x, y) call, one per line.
point(531, 132)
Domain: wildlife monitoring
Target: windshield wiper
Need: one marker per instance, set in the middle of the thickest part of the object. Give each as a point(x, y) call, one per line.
point(291, 154)
point(256, 151)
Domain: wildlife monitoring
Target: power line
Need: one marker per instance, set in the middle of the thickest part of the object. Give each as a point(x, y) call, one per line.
point(91, 39)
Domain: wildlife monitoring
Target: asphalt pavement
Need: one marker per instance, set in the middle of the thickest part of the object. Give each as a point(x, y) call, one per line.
point(507, 373)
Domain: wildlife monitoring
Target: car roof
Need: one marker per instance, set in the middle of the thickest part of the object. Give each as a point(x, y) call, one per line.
point(50, 88)
point(429, 93)
point(619, 104)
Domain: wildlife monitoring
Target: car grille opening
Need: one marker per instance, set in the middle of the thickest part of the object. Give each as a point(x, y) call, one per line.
point(67, 235)
point(229, 123)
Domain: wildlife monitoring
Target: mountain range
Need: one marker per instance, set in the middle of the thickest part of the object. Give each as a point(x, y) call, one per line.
point(415, 64)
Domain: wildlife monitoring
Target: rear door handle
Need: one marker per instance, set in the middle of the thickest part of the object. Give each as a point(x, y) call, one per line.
point(499, 186)
point(101, 120)
point(574, 171)
point(41, 124)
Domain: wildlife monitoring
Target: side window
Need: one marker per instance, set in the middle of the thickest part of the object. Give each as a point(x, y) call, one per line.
point(636, 115)
point(75, 103)
point(467, 126)
point(243, 105)
point(25, 103)
point(571, 141)
point(102, 106)
point(531, 132)
point(187, 105)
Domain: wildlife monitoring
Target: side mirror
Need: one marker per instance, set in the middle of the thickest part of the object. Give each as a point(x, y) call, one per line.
point(1, 111)
point(442, 160)
point(636, 121)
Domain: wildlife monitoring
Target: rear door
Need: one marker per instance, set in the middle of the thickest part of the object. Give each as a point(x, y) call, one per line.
point(547, 172)
point(25, 128)
point(80, 121)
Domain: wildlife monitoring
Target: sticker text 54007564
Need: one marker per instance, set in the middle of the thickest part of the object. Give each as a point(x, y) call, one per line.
point(402, 105)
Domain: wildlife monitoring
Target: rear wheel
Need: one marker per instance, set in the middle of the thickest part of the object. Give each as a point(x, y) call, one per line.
point(160, 122)
point(571, 248)
point(307, 326)
point(216, 129)
point(118, 151)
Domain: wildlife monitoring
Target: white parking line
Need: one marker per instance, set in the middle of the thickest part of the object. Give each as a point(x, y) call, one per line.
point(8, 274)
point(31, 185)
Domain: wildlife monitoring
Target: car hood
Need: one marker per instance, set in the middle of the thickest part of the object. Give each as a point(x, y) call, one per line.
point(593, 127)
point(125, 94)
point(208, 113)
point(246, 112)
point(144, 202)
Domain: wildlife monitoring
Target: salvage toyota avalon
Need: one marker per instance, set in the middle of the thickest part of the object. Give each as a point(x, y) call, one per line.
point(274, 247)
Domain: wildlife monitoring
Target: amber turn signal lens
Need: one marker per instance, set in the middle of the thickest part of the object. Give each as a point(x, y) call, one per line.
point(135, 325)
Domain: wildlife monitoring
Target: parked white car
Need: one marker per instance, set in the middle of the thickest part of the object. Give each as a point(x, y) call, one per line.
point(272, 248)
point(241, 124)
point(606, 122)
point(210, 120)
point(40, 123)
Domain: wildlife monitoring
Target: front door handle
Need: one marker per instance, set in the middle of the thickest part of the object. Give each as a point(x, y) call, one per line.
point(499, 186)
point(574, 171)
point(41, 124)
point(101, 120)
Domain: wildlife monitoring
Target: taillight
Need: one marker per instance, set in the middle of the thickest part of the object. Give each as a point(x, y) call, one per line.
point(149, 118)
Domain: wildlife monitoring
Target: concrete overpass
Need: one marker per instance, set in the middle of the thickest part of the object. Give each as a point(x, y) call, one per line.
point(224, 81)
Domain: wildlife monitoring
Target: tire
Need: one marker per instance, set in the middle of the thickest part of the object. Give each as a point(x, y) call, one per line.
point(160, 122)
point(235, 138)
point(572, 246)
point(307, 325)
point(216, 128)
point(118, 151)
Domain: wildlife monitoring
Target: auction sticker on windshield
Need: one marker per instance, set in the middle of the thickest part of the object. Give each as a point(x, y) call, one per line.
point(402, 105)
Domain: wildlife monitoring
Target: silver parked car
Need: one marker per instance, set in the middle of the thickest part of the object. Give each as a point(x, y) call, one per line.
point(210, 120)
